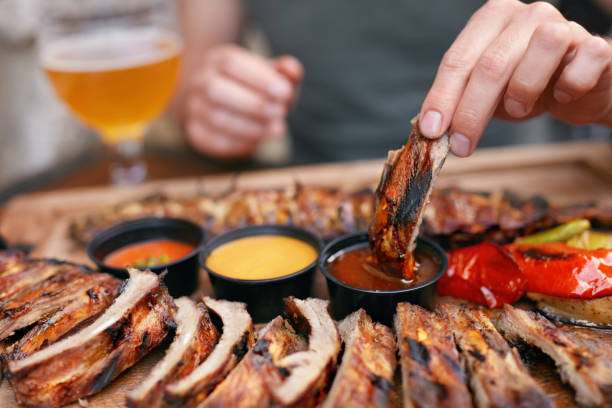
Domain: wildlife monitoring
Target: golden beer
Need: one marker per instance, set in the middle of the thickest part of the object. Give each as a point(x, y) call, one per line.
point(116, 82)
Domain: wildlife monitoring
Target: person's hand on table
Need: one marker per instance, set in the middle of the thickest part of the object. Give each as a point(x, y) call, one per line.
point(515, 61)
point(238, 99)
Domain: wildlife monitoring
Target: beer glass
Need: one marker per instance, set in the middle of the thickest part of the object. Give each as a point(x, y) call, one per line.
point(114, 63)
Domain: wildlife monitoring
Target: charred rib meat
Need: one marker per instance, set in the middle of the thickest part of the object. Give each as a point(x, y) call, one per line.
point(249, 384)
point(309, 372)
point(498, 378)
point(82, 364)
point(365, 377)
point(236, 338)
point(402, 195)
point(432, 370)
point(588, 371)
point(196, 337)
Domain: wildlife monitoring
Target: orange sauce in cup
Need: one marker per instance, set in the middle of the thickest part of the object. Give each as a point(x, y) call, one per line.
point(149, 253)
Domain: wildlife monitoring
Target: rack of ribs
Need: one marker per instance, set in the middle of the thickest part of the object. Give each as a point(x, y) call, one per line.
point(82, 364)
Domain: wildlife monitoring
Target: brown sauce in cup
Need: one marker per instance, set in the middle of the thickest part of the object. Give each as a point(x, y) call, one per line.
point(355, 267)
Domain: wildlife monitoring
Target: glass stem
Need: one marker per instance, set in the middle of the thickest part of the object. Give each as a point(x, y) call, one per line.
point(128, 165)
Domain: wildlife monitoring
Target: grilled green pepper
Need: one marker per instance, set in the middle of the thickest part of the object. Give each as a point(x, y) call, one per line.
point(592, 240)
point(558, 234)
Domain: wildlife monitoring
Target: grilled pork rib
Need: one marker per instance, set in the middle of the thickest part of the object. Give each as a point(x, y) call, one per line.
point(365, 377)
point(84, 363)
point(588, 371)
point(236, 338)
point(196, 337)
point(402, 195)
point(498, 378)
point(250, 383)
point(71, 317)
point(432, 370)
point(309, 371)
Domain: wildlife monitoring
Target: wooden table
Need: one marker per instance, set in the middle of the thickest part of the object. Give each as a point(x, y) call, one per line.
point(564, 173)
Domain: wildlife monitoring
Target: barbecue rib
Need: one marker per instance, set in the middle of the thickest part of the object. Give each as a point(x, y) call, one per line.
point(309, 371)
point(82, 364)
point(365, 377)
point(250, 383)
point(402, 195)
point(33, 304)
point(236, 338)
point(432, 370)
point(588, 372)
point(196, 337)
point(71, 317)
point(498, 378)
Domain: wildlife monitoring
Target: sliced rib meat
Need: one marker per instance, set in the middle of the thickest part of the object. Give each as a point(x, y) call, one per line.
point(82, 310)
point(365, 377)
point(587, 369)
point(432, 369)
point(402, 195)
point(498, 377)
point(195, 338)
point(49, 297)
point(235, 340)
point(250, 383)
point(84, 363)
point(309, 371)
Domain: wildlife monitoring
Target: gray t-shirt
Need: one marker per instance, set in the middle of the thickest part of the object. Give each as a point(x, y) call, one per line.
point(368, 67)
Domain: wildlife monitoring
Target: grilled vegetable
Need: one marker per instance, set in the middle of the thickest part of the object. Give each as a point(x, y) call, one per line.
point(591, 240)
point(483, 273)
point(558, 234)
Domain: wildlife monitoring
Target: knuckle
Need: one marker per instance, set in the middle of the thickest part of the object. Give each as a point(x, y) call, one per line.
point(456, 61)
point(598, 48)
point(493, 64)
point(553, 35)
point(544, 10)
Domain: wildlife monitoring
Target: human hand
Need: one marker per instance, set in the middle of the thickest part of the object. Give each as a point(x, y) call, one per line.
point(515, 61)
point(238, 99)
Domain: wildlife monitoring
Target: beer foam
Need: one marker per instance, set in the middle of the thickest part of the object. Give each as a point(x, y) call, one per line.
point(110, 49)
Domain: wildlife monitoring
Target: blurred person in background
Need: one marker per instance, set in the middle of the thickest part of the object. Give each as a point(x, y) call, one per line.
point(349, 74)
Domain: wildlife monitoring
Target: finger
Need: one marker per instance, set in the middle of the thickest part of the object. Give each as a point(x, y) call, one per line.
point(457, 64)
point(217, 144)
point(255, 72)
point(276, 129)
point(290, 67)
point(491, 74)
point(547, 47)
point(583, 73)
point(231, 95)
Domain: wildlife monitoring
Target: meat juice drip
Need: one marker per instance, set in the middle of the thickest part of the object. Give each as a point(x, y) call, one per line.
point(357, 268)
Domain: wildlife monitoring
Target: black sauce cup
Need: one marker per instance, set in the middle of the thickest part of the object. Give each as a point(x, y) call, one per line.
point(182, 277)
point(264, 297)
point(3, 244)
point(380, 304)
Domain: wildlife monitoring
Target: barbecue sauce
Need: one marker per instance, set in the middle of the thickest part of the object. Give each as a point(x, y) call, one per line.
point(148, 254)
point(357, 268)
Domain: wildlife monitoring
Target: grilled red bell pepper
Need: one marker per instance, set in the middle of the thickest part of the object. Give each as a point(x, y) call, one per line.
point(483, 273)
point(565, 271)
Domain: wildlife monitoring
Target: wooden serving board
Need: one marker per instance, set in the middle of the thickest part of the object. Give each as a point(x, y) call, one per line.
point(563, 173)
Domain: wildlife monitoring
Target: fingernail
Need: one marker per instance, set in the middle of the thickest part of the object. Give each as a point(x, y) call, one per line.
point(280, 89)
point(274, 110)
point(515, 108)
point(562, 96)
point(460, 145)
point(431, 124)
